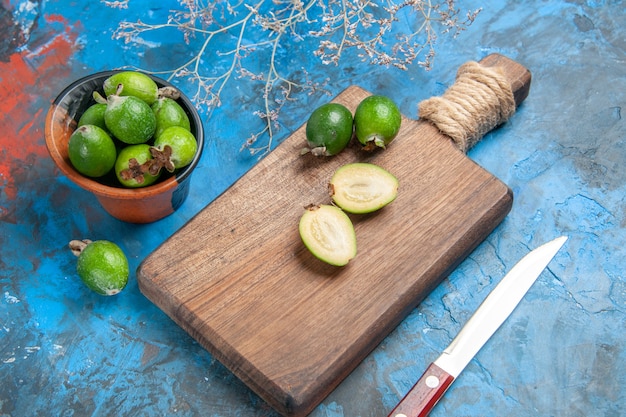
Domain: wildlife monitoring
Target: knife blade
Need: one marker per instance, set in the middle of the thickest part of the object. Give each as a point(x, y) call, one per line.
point(491, 313)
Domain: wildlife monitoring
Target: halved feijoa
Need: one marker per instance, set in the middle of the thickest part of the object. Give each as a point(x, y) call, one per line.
point(328, 233)
point(362, 187)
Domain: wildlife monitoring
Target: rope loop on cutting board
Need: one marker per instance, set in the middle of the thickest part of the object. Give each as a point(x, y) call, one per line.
point(480, 99)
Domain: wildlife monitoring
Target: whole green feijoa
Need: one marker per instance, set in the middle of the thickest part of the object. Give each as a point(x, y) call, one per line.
point(169, 113)
point(182, 147)
point(132, 83)
point(101, 265)
point(91, 151)
point(94, 115)
point(329, 129)
point(377, 121)
point(129, 119)
point(132, 167)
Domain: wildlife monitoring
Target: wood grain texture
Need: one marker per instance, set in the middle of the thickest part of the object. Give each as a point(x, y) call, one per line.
point(239, 280)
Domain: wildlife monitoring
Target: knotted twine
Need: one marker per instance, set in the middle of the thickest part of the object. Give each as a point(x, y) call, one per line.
point(479, 100)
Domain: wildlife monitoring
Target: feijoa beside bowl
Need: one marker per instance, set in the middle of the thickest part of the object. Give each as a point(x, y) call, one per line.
point(136, 205)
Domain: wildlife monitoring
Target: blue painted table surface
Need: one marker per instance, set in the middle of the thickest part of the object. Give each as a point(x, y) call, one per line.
point(66, 351)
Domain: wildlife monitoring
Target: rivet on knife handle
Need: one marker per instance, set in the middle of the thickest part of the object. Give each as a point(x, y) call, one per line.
point(424, 394)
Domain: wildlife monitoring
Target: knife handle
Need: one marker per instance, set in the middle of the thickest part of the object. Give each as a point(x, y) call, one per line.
point(425, 393)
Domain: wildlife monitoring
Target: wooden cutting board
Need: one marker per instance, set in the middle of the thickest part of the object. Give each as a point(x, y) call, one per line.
point(238, 278)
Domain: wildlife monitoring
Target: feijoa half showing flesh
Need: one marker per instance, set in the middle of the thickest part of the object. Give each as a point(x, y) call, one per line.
point(328, 233)
point(362, 187)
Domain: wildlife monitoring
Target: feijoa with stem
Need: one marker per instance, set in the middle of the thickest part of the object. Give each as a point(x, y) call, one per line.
point(328, 129)
point(328, 233)
point(362, 187)
point(129, 119)
point(91, 151)
point(377, 122)
point(132, 83)
point(138, 84)
point(101, 265)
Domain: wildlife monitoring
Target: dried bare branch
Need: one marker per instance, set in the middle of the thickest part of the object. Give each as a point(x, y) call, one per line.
point(239, 33)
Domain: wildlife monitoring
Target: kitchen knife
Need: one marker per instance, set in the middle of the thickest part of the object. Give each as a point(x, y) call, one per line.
point(498, 305)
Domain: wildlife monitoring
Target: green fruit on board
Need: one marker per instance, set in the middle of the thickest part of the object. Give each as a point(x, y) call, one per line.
point(377, 121)
point(362, 187)
point(132, 167)
point(129, 119)
point(91, 151)
point(132, 83)
point(329, 129)
point(101, 265)
point(169, 113)
point(182, 143)
point(328, 233)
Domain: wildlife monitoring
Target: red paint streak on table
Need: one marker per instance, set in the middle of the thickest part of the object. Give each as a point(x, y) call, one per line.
point(22, 109)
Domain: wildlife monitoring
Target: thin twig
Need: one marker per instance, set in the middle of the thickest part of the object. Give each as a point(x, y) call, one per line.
point(368, 27)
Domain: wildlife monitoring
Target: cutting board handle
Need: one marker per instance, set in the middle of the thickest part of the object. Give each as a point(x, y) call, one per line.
point(484, 95)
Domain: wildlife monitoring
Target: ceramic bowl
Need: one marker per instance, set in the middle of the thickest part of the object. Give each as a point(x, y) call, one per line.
point(138, 205)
